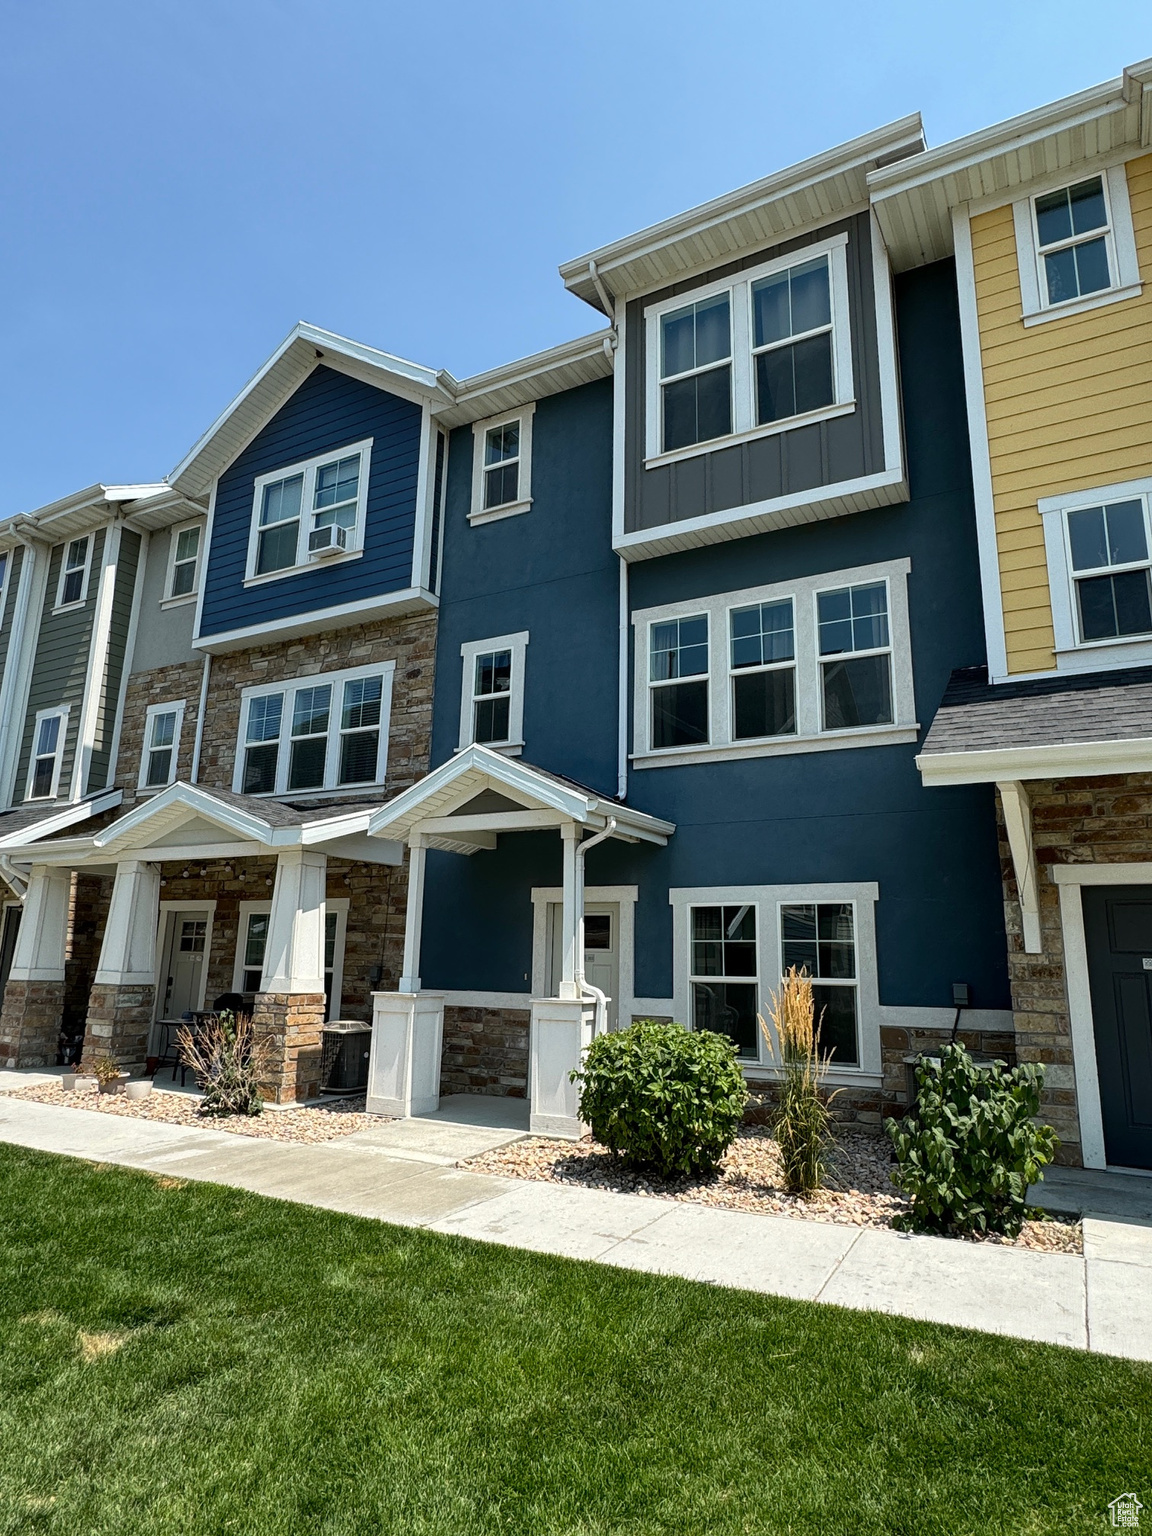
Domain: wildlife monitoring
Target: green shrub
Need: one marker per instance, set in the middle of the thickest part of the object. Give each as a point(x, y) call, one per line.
point(969, 1150)
point(666, 1099)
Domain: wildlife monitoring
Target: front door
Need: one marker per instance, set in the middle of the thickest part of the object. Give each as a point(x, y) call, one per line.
point(1118, 933)
point(601, 951)
point(185, 954)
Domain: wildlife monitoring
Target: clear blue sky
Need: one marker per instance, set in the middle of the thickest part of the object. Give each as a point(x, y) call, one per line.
point(182, 180)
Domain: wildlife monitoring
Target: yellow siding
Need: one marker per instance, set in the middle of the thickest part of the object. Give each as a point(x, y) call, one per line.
point(1069, 407)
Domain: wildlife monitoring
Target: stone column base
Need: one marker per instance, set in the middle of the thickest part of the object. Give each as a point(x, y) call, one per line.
point(119, 1019)
point(561, 1032)
point(288, 1025)
point(30, 1023)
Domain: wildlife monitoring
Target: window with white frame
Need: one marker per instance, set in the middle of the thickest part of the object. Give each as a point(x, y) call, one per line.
point(1076, 246)
point(819, 939)
point(75, 563)
point(1099, 548)
point(252, 946)
point(492, 692)
point(309, 512)
point(315, 734)
point(723, 973)
point(184, 561)
point(162, 723)
point(751, 354)
point(819, 661)
point(48, 735)
point(502, 466)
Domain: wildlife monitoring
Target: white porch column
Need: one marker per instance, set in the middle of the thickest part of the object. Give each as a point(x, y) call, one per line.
point(414, 916)
point(42, 941)
point(404, 1065)
point(294, 954)
point(572, 913)
point(561, 1031)
point(128, 953)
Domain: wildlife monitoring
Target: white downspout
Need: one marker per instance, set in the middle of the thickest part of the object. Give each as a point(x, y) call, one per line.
point(195, 771)
point(622, 689)
point(15, 879)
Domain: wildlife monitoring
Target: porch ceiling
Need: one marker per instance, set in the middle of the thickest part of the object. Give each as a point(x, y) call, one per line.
point(466, 803)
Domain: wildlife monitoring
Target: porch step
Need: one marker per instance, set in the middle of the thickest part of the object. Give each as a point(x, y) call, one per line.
point(1094, 1192)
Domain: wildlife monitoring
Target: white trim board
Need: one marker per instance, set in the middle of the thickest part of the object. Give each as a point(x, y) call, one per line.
point(315, 621)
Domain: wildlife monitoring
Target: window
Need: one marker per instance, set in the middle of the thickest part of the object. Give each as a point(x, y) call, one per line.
point(763, 648)
point(492, 692)
point(1099, 548)
point(725, 994)
point(502, 466)
point(74, 566)
point(183, 561)
point(678, 680)
point(252, 947)
point(48, 735)
point(310, 512)
point(1076, 247)
point(315, 734)
point(696, 372)
point(253, 943)
point(750, 354)
point(819, 938)
point(818, 662)
point(162, 724)
point(853, 623)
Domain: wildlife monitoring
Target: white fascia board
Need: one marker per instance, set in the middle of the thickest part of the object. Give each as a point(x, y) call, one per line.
point(478, 762)
point(830, 170)
point(319, 620)
point(1061, 760)
point(200, 802)
point(529, 378)
point(82, 810)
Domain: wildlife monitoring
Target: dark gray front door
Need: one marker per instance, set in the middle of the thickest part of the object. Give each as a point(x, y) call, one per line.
point(1118, 930)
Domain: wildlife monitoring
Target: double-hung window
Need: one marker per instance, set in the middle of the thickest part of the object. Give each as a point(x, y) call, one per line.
point(492, 692)
point(819, 939)
point(1109, 547)
point(307, 513)
point(48, 735)
point(763, 651)
point(162, 724)
point(723, 973)
point(1072, 230)
point(502, 466)
point(492, 697)
point(321, 733)
point(678, 682)
point(184, 561)
point(74, 566)
point(750, 354)
point(855, 656)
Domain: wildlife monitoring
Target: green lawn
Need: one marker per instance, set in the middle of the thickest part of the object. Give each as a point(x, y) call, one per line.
point(183, 1359)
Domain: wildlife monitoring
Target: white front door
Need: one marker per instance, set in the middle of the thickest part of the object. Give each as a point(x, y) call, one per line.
point(601, 951)
point(185, 957)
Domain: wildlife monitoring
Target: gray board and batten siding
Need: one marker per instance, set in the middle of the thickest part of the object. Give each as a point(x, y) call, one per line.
point(163, 634)
point(783, 463)
point(61, 665)
point(11, 587)
point(119, 628)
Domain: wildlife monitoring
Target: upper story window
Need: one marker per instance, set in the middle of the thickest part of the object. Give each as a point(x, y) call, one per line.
point(502, 466)
point(492, 692)
point(310, 512)
point(1099, 548)
point(1076, 247)
point(821, 661)
point(162, 724)
point(752, 354)
point(75, 565)
point(48, 734)
point(317, 734)
point(183, 562)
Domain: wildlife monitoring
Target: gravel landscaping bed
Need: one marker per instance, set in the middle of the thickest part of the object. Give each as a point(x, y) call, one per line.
point(859, 1192)
point(323, 1122)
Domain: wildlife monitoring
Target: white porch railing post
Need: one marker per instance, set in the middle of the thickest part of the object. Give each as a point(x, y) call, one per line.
point(414, 916)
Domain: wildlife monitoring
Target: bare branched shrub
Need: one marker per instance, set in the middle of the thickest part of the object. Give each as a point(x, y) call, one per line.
point(228, 1062)
point(801, 1118)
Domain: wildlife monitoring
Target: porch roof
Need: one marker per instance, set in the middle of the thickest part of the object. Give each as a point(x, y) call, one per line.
point(29, 823)
point(463, 805)
point(187, 821)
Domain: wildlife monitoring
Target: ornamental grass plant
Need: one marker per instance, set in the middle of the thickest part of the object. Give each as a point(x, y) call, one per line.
point(227, 1061)
point(801, 1119)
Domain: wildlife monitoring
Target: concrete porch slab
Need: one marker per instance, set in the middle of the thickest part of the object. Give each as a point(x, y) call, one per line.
point(1094, 1192)
point(465, 1125)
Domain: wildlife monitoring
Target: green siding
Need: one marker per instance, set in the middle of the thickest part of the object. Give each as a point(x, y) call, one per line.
point(15, 563)
point(61, 664)
point(119, 625)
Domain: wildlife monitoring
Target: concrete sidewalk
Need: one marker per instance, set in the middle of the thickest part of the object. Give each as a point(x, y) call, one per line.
point(401, 1173)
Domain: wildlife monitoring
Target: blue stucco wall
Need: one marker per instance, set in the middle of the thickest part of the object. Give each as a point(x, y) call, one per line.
point(328, 411)
point(836, 816)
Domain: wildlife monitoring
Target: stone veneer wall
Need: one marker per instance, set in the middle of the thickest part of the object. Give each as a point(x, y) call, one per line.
point(163, 685)
point(1102, 820)
point(485, 1051)
point(91, 895)
point(30, 1023)
point(119, 1020)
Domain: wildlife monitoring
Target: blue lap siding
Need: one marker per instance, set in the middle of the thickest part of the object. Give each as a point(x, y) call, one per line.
point(327, 412)
point(834, 817)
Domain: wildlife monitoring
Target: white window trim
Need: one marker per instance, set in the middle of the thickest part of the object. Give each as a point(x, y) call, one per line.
point(518, 645)
point(1072, 653)
point(177, 707)
point(60, 605)
point(308, 468)
point(179, 601)
point(247, 910)
point(1120, 239)
point(480, 429)
point(62, 711)
point(739, 287)
point(337, 904)
point(288, 686)
point(767, 901)
point(810, 736)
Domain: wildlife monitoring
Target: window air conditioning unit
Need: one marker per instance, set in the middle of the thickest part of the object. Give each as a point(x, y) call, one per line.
point(330, 540)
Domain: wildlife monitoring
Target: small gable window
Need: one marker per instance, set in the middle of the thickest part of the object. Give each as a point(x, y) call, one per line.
point(184, 561)
point(308, 513)
point(502, 466)
point(74, 568)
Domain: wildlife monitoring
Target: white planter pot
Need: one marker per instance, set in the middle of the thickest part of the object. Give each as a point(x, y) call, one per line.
point(140, 1088)
point(84, 1083)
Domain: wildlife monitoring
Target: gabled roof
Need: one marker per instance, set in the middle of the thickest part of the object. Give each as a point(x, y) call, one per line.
point(816, 190)
point(481, 793)
point(29, 823)
point(143, 506)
